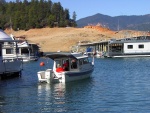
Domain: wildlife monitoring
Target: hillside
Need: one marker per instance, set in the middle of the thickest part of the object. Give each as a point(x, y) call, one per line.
point(133, 22)
point(54, 39)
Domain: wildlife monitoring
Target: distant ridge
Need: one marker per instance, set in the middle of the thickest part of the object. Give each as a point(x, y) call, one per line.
point(133, 22)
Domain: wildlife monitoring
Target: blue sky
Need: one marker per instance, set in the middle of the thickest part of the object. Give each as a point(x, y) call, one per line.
point(84, 8)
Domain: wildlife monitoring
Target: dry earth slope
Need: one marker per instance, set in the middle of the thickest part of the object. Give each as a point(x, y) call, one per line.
point(54, 39)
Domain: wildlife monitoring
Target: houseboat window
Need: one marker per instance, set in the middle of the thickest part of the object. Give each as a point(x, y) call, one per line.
point(85, 60)
point(73, 64)
point(17, 50)
point(24, 50)
point(141, 46)
point(130, 46)
point(8, 51)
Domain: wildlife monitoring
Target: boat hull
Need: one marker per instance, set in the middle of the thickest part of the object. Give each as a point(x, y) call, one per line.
point(10, 68)
point(73, 76)
point(50, 77)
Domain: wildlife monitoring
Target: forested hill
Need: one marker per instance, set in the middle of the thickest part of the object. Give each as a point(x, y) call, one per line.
point(134, 22)
point(35, 14)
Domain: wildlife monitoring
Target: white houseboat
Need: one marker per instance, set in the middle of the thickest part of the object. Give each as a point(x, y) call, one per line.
point(9, 66)
point(129, 47)
point(126, 47)
point(27, 51)
point(67, 67)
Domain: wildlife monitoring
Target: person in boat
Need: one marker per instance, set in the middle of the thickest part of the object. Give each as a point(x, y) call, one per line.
point(73, 64)
point(59, 68)
point(66, 65)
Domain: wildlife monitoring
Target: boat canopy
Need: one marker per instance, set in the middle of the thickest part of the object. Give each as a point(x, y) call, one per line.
point(4, 36)
point(65, 55)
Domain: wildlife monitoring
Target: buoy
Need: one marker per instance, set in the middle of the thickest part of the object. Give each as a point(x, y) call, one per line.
point(42, 64)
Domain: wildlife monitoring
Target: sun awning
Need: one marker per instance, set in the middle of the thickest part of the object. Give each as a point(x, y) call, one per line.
point(60, 55)
point(4, 36)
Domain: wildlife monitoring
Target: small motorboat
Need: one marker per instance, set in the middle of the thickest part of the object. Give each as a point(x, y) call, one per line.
point(67, 67)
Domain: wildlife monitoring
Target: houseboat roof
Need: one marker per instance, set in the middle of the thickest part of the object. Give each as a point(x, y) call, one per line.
point(60, 55)
point(4, 36)
point(123, 40)
point(131, 40)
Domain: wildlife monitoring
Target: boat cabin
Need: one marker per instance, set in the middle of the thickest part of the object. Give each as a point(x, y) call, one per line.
point(10, 64)
point(8, 49)
point(28, 51)
point(69, 62)
point(67, 67)
point(136, 46)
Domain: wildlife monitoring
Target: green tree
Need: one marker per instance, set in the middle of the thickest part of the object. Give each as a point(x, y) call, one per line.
point(51, 20)
point(74, 19)
point(33, 14)
point(74, 16)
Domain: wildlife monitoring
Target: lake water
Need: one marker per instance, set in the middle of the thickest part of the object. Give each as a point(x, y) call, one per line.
point(116, 86)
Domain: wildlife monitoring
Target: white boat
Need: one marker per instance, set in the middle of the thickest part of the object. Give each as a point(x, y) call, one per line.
point(27, 51)
point(126, 47)
point(78, 67)
point(9, 66)
point(129, 47)
point(99, 54)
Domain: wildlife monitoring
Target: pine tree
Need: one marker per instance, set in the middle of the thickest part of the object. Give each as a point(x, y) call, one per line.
point(74, 16)
point(34, 14)
point(74, 19)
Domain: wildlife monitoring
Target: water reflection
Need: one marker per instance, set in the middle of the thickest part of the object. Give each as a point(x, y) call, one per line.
point(62, 97)
point(50, 96)
point(2, 101)
point(117, 86)
point(48, 90)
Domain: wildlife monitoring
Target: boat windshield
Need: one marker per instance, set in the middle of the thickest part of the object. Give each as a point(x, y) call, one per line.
point(58, 62)
point(64, 63)
point(74, 64)
point(83, 61)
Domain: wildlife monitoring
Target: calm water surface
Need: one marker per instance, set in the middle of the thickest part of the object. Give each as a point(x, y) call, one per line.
point(116, 86)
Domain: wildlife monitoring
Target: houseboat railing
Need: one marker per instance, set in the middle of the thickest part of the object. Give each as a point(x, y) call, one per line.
point(111, 54)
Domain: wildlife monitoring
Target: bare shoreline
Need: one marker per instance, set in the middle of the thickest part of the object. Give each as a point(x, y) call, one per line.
point(62, 39)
